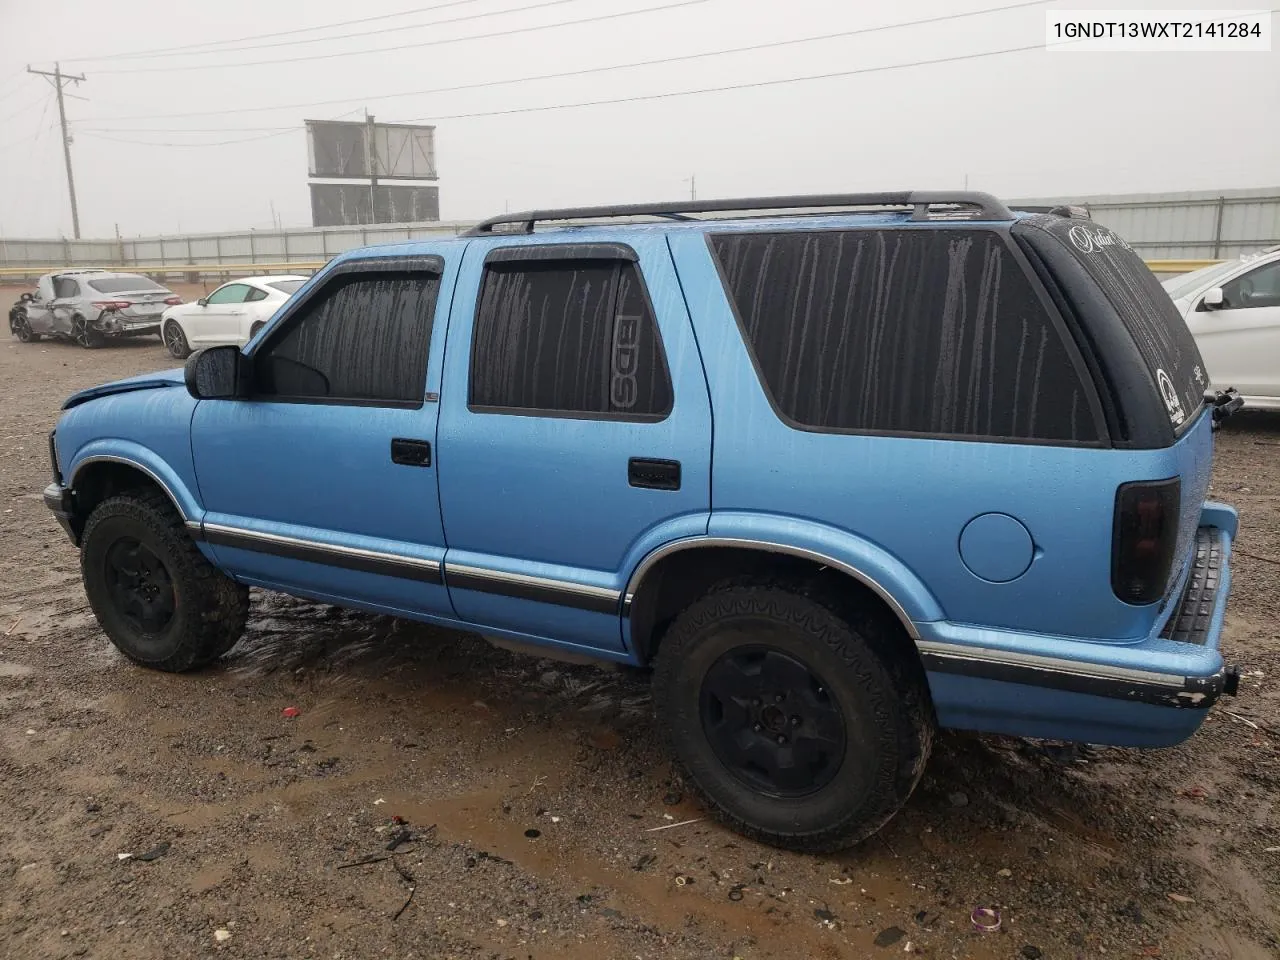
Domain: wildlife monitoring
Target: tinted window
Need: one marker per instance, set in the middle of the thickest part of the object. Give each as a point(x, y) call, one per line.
point(1257, 288)
point(230, 293)
point(911, 331)
point(286, 286)
point(126, 284)
point(1144, 307)
point(254, 295)
point(364, 337)
point(65, 287)
point(568, 336)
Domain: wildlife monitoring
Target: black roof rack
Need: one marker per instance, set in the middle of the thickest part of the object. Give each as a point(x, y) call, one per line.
point(983, 206)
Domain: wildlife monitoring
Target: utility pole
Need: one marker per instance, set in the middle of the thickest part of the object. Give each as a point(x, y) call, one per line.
point(59, 81)
point(693, 187)
point(370, 154)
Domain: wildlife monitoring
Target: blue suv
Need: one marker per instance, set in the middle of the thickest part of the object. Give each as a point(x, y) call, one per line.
point(841, 469)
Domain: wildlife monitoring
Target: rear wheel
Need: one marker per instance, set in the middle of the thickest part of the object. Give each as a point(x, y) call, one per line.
point(175, 340)
point(254, 330)
point(157, 598)
point(803, 725)
point(20, 326)
point(84, 334)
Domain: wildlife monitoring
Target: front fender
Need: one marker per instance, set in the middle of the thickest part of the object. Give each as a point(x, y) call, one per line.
point(868, 562)
point(129, 453)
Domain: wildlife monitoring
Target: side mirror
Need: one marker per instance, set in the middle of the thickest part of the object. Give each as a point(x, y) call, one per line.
point(1213, 299)
point(217, 373)
point(26, 297)
point(203, 301)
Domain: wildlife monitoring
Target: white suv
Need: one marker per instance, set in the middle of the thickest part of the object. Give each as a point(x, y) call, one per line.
point(1233, 310)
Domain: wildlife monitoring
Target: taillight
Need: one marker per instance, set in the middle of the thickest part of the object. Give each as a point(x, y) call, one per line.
point(112, 304)
point(1143, 539)
point(173, 301)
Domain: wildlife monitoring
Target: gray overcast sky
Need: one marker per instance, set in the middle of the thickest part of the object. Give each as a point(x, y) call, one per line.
point(1018, 124)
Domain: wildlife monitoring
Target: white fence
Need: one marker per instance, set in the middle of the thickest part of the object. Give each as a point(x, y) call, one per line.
point(307, 245)
point(1187, 227)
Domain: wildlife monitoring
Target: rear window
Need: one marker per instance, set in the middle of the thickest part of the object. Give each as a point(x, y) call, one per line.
point(925, 332)
point(1145, 308)
point(286, 286)
point(124, 285)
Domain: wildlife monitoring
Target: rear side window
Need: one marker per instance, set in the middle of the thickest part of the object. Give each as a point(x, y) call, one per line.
point(364, 338)
point(1145, 308)
point(568, 338)
point(934, 332)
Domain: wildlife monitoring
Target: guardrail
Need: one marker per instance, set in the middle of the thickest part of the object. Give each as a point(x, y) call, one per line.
point(228, 270)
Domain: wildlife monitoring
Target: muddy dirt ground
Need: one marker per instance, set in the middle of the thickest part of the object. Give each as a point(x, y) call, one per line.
point(526, 793)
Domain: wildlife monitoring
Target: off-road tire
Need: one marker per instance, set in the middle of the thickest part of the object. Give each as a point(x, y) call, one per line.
point(864, 669)
point(174, 340)
point(85, 335)
point(210, 609)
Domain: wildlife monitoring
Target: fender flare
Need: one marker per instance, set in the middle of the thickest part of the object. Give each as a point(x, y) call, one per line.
point(888, 592)
point(145, 462)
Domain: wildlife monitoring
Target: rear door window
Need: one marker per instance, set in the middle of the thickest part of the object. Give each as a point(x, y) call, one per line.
point(568, 338)
point(924, 332)
point(1144, 307)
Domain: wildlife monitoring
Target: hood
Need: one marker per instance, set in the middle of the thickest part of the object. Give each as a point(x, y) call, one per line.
point(146, 381)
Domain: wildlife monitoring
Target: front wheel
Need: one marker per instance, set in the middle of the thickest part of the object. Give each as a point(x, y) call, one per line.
point(798, 728)
point(156, 596)
point(85, 335)
point(175, 340)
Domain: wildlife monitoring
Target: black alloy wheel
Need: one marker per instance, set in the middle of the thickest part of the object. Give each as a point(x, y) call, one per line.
point(771, 721)
point(140, 586)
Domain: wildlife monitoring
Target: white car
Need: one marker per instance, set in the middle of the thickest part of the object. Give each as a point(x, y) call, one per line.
point(1233, 310)
point(232, 314)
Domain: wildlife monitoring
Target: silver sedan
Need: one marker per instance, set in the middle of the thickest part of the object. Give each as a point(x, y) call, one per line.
point(89, 306)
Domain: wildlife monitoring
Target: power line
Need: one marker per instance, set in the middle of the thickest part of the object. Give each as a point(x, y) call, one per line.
point(214, 143)
point(729, 86)
point(365, 33)
point(639, 98)
point(681, 58)
point(23, 109)
point(158, 51)
point(413, 46)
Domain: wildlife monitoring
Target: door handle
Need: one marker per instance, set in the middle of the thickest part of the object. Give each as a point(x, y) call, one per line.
point(653, 474)
point(412, 453)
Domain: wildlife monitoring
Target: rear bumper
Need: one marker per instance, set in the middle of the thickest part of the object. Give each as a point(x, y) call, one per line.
point(115, 326)
point(1155, 692)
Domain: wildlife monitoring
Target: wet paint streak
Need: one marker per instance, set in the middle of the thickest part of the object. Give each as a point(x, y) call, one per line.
point(556, 336)
point(1161, 336)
